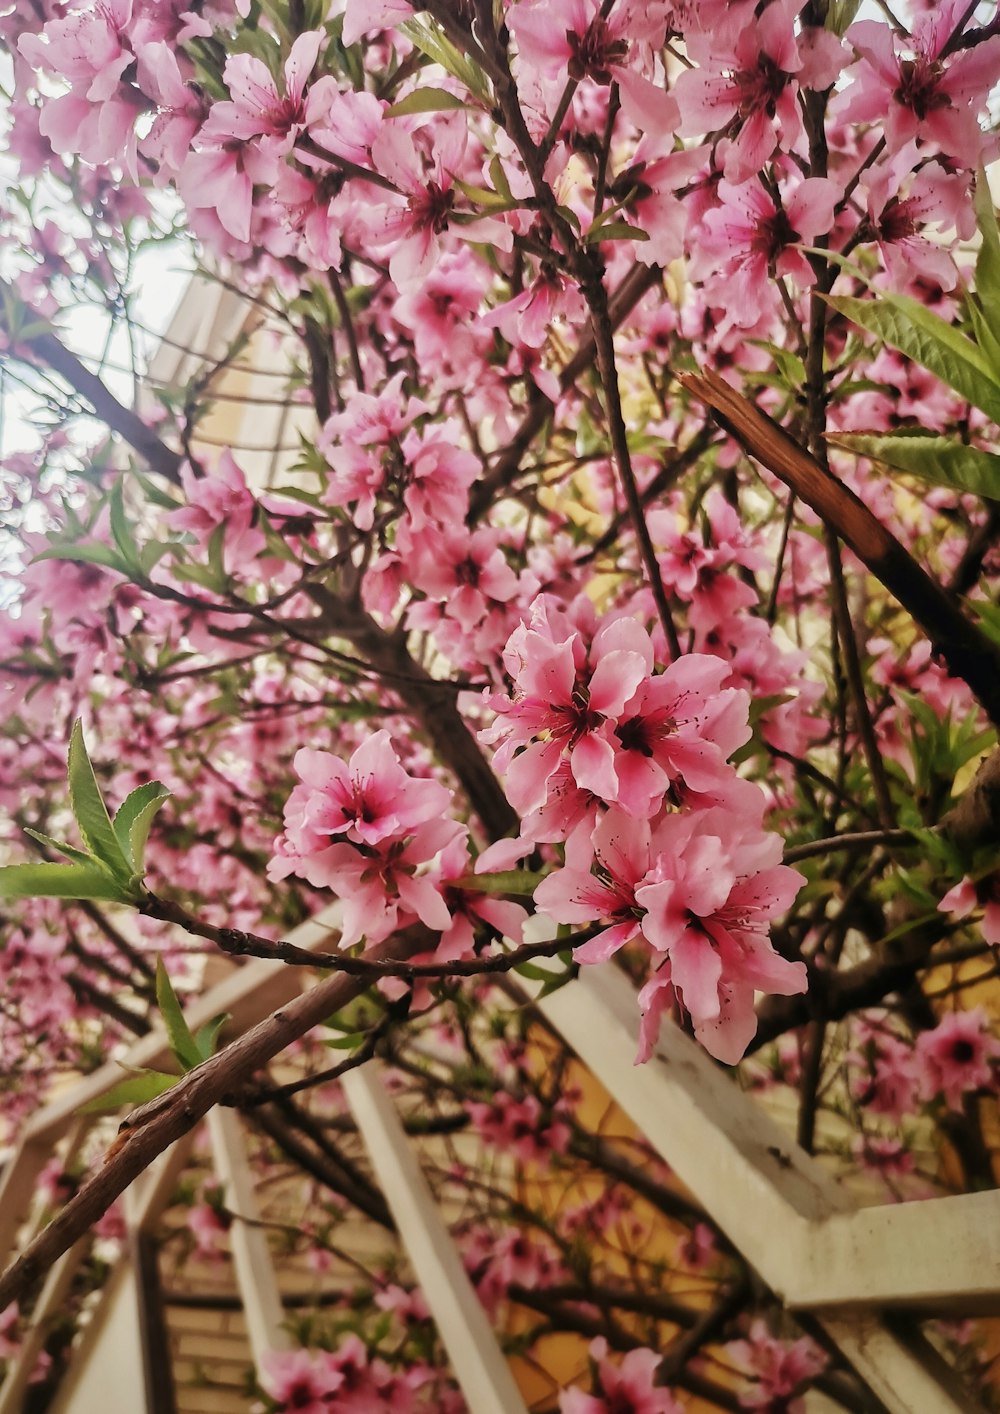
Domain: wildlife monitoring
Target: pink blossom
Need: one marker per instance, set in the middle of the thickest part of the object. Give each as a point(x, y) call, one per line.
point(221, 501)
point(573, 694)
point(749, 72)
point(681, 724)
point(780, 1369)
point(747, 240)
point(967, 895)
point(257, 109)
point(956, 1058)
point(520, 1127)
point(422, 167)
point(598, 881)
point(911, 91)
point(709, 899)
point(629, 1386)
point(301, 1380)
point(367, 800)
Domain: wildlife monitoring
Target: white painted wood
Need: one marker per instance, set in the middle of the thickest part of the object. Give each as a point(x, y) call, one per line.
point(255, 1274)
point(900, 1367)
point(476, 1358)
point(50, 1298)
point(768, 1196)
point(941, 1254)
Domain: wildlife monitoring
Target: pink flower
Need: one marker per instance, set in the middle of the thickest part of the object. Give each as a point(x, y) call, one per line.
point(910, 91)
point(572, 694)
point(626, 1387)
point(367, 800)
point(779, 1369)
point(709, 899)
point(301, 1380)
point(966, 895)
point(221, 501)
point(747, 240)
point(956, 1058)
point(423, 167)
point(599, 881)
point(901, 206)
point(520, 1127)
point(256, 108)
point(749, 72)
point(681, 724)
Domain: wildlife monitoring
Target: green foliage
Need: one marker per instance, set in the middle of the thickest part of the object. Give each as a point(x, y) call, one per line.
point(930, 341)
point(136, 1089)
point(188, 1050)
point(425, 100)
point(933, 458)
point(112, 866)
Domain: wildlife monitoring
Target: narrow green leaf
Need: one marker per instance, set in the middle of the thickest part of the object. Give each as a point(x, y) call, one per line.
point(485, 199)
point(77, 880)
point(499, 176)
point(522, 882)
point(133, 818)
point(350, 1042)
point(929, 340)
point(89, 808)
point(940, 460)
point(615, 231)
point(207, 1037)
point(425, 100)
point(988, 259)
point(136, 1089)
point(120, 528)
point(70, 851)
point(182, 1043)
point(84, 554)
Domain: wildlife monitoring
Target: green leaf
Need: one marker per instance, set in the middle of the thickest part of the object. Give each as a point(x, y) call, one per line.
point(484, 198)
point(499, 177)
point(522, 882)
point(349, 1042)
point(988, 259)
point(840, 15)
point(940, 460)
point(70, 851)
point(425, 100)
point(182, 1043)
point(930, 341)
point(614, 231)
point(136, 1089)
point(120, 528)
point(133, 819)
point(430, 39)
point(77, 880)
point(90, 811)
point(207, 1037)
point(84, 554)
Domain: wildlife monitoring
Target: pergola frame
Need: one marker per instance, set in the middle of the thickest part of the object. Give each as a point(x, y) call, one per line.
point(861, 1272)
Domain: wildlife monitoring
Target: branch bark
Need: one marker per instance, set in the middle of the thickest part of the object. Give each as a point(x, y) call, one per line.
point(968, 653)
point(149, 1130)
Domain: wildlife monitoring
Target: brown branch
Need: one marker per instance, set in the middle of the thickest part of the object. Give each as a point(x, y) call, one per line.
point(969, 654)
point(47, 349)
point(149, 1130)
point(236, 943)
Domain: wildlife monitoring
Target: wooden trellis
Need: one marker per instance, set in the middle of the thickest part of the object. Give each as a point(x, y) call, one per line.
point(865, 1273)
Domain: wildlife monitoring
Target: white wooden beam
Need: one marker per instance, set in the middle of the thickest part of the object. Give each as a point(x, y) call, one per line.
point(476, 1358)
point(768, 1195)
point(938, 1254)
point(255, 1274)
point(50, 1300)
